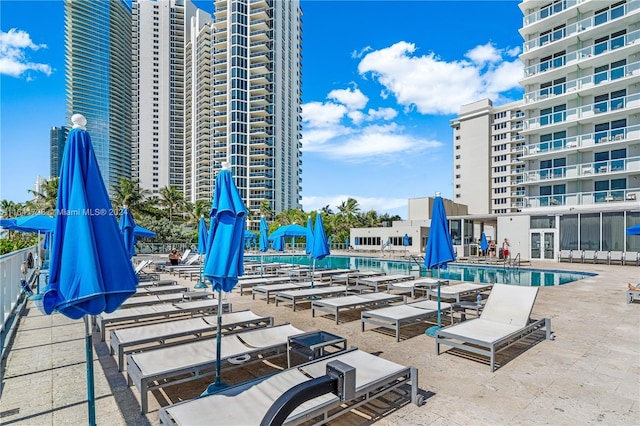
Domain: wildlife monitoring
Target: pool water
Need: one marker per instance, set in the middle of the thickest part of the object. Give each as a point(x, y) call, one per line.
point(470, 273)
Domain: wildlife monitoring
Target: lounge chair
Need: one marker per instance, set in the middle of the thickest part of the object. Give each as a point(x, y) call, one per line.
point(157, 299)
point(633, 294)
point(395, 317)
point(333, 306)
point(321, 274)
point(375, 378)
point(351, 277)
point(383, 280)
point(504, 321)
point(145, 276)
point(140, 314)
point(421, 284)
point(181, 363)
point(157, 283)
point(267, 291)
point(565, 256)
point(149, 290)
point(457, 291)
point(152, 336)
point(252, 282)
point(309, 294)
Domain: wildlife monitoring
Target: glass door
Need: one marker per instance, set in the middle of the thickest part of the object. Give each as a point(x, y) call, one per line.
point(535, 245)
point(543, 245)
point(549, 247)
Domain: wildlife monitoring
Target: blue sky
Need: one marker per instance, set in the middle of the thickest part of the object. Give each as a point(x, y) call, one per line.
point(381, 82)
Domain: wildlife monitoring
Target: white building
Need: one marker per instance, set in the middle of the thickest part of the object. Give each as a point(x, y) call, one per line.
point(245, 72)
point(159, 33)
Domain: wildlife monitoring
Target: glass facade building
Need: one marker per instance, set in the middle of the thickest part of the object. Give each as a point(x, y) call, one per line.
point(98, 79)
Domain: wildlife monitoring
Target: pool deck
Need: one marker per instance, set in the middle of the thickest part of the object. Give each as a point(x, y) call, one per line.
point(590, 373)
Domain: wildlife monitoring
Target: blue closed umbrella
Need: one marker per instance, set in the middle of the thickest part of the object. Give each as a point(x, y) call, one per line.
point(405, 243)
point(439, 251)
point(225, 254)
point(309, 235)
point(90, 269)
point(264, 239)
point(346, 242)
point(633, 230)
point(484, 245)
point(278, 243)
point(127, 228)
point(202, 249)
point(320, 248)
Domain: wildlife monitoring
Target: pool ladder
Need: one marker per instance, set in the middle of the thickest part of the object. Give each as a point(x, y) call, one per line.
point(512, 262)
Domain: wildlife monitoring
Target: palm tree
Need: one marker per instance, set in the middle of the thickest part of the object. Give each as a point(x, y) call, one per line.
point(172, 199)
point(265, 210)
point(129, 193)
point(197, 209)
point(349, 209)
point(370, 219)
point(45, 200)
point(290, 216)
point(10, 208)
point(327, 210)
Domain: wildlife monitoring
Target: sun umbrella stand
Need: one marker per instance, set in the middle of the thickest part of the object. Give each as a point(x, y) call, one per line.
point(432, 331)
point(91, 397)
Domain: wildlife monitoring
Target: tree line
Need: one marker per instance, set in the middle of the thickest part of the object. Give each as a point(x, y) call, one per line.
point(174, 219)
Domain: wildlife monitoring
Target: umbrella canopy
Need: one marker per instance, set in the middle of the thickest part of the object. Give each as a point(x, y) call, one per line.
point(346, 242)
point(309, 235)
point(287, 231)
point(355, 241)
point(127, 228)
point(320, 246)
point(264, 230)
point(439, 249)
point(31, 224)
point(405, 240)
point(139, 231)
point(225, 255)
point(90, 268)
point(249, 235)
point(484, 245)
point(202, 236)
point(633, 230)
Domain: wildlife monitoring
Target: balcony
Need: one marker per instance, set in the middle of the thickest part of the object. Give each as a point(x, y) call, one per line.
point(570, 29)
point(589, 170)
point(582, 83)
point(583, 54)
point(585, 113)
point(629, 196)
point(622, 134)
point(547, 11)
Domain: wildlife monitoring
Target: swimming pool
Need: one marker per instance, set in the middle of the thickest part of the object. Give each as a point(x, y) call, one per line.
point(470, 273)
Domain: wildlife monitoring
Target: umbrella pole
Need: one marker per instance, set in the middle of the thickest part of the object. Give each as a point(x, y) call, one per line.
point(91, 399)
point(201, 283)
point(313, 271)
point(218, 383)
point(432, 331)
point(261, 256)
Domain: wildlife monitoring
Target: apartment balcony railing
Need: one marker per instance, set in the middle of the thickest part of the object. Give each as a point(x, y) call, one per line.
point(583, 83)
point(582, 25)
point(519, 114)
point(545, 12)
point(585, 170)
point(585, 140)
point(587, 52)
point(583, 198)
point(587, 111)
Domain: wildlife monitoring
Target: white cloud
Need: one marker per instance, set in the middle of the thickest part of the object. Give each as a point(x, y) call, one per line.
point(434, 86)
point(13, 58)
point(382, 113)
point(355, 54)
point(379, 204)
point(483, 54)
point(318, 114)
point(353, 99)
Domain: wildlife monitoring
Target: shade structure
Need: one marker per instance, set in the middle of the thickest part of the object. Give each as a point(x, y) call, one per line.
point(225, 255)
point(439, 251)
point(288, 231)
point(127, 228)
point(203, 234)
point(34, 224)
point(90, 269)
point(633, 230)
point(309, 235)
point(484, 245)
point(139, 231)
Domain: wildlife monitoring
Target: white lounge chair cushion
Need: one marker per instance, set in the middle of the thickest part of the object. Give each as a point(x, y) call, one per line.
point(480, 330)
point(463, 288)
point(510, 304)
point(340, 301)
point(266, 337)
point(430, 305)
point(399, 312)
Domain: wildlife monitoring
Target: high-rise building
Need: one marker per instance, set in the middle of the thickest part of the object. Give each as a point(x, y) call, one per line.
point(245, 75)
point(98, 79)
point(571, 165)
point(159, 33)
point(57, 139)
point(487, 146)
